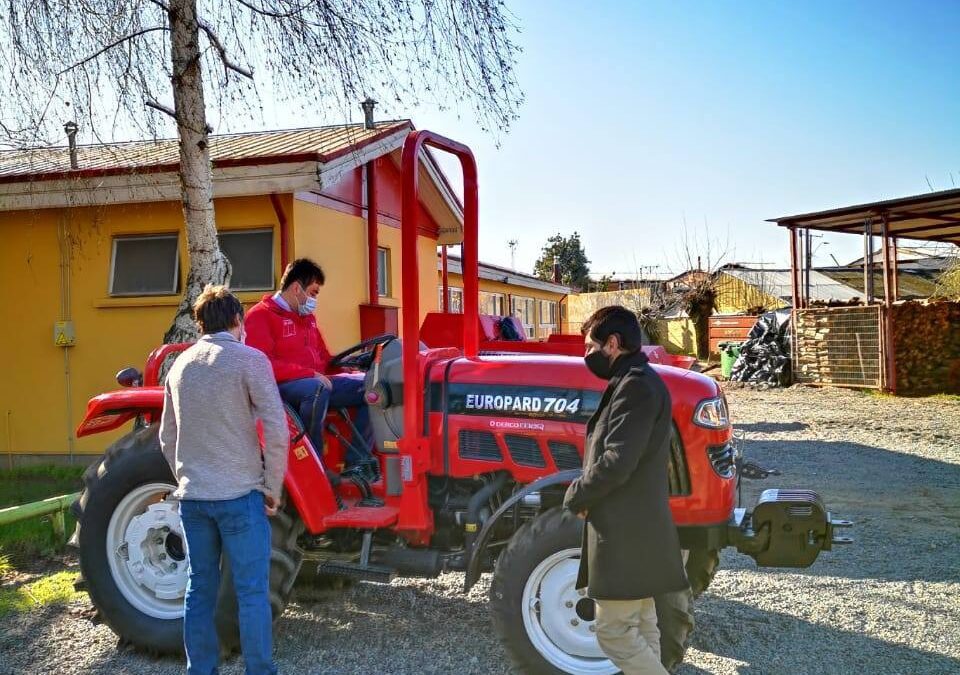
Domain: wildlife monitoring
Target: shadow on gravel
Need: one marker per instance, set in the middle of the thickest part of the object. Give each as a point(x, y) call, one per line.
point(770, 643)
point(771, 427)
point(905, 508)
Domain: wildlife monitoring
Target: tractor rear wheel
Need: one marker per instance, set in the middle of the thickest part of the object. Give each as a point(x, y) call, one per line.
point(133, 558)
point(545, 623)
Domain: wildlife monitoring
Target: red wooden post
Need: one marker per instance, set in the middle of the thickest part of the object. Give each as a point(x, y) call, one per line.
point(373, 243)
point(446, 281)
point(794, 281)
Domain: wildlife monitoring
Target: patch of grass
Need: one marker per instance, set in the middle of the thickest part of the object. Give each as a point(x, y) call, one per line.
point(955, 398)
point(34, 537)
point(56, 589)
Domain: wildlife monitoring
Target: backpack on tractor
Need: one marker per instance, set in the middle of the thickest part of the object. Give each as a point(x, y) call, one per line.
point(476, 441)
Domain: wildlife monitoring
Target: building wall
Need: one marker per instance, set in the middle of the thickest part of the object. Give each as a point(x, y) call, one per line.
point(338, 242)
point(45, 388)
point(509, 291)
point(735, 296)
point(582, 305)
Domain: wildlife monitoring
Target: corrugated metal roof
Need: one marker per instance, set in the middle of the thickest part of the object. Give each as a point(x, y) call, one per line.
point(777, 283)
point(317, 143)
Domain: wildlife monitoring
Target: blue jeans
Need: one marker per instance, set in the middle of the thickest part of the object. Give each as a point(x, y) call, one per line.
point(239, 528)
point(347, 393)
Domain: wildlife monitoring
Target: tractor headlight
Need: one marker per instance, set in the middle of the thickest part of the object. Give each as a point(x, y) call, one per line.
point(712, 414)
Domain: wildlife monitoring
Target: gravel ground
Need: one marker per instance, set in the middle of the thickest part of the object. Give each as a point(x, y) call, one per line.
point(889, 603)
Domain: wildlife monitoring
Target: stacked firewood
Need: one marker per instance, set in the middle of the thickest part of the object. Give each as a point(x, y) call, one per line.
point(837, 347)
point(926, 338)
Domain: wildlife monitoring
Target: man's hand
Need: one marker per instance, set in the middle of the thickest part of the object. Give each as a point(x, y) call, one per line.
point(583, 515)
point(324, 380)
point(270, 505)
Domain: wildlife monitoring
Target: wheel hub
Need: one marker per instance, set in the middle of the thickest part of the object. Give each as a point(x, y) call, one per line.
point(560, 619)
point(155, 555)
point(146, 552)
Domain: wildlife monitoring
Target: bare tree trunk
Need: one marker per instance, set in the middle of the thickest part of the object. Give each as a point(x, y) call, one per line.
point(207, 264)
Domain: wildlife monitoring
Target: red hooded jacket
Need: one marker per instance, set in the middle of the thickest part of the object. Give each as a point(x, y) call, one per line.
point(292, 342)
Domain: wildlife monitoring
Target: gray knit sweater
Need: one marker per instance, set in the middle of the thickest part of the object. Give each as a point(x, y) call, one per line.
point(214, 394)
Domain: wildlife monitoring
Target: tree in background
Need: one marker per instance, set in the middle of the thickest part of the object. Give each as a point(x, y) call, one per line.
point(569, 255)
point(115, 62)
point(702, 257)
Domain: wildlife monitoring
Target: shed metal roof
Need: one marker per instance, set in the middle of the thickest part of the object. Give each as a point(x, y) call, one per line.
point(934, 216)
point(777, 283)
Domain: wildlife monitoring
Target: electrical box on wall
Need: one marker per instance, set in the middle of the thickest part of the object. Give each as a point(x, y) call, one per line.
point(63, 335)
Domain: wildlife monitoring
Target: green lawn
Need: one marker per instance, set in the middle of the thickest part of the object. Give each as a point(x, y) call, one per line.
point(30, 538)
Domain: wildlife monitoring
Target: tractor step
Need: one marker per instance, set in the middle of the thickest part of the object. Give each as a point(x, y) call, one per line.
point(375, 573)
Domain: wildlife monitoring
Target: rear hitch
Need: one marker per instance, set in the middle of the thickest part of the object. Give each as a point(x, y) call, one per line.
point(787, 528)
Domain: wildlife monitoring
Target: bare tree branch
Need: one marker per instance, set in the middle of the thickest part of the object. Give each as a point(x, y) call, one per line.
point(115, 43)
point(166, 110)
point(222, 52)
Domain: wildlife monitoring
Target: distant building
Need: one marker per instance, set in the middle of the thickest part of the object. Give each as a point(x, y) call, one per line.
point(505, 292)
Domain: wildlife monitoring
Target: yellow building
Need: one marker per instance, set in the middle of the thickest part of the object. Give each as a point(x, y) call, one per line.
point(93, 260)
point(504, 292)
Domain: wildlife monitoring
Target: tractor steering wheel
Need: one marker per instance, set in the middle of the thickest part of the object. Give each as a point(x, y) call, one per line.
point(360, 356)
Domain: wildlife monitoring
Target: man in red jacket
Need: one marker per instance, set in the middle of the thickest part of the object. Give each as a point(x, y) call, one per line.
point(284, 328)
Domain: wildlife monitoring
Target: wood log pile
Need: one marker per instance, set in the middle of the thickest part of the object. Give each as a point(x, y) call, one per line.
point(838, 347)
point(926, 338)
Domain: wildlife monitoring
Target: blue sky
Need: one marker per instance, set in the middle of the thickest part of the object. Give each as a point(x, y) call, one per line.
point(642, 115)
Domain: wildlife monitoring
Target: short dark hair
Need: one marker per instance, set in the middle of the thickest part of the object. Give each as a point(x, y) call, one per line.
point(216, 310)
point(615, 320)
point(304, 271)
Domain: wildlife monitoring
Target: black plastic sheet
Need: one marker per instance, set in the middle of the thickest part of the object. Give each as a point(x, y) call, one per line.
point(765, 355)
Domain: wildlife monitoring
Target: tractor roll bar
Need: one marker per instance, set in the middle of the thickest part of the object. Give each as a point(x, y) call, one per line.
point(410, 216)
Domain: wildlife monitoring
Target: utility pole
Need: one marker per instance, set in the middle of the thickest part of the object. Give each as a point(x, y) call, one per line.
point(512, 245)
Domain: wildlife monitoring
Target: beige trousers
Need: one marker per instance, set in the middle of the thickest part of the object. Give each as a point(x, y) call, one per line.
point(627, 632)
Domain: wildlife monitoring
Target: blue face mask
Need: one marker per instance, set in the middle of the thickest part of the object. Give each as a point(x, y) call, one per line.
point(308, 306)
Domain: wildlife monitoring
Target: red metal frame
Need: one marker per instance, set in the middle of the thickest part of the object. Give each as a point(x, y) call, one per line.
point(416, 140)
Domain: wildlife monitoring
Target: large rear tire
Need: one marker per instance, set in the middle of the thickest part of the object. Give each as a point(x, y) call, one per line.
point(544, 622)
point(132, 555)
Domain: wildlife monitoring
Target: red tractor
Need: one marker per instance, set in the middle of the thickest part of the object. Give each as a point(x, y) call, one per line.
point(476, 444)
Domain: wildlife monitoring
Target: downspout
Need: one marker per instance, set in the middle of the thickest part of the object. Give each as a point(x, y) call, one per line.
point(284, 227)
point(373, 238)
point(446, 280)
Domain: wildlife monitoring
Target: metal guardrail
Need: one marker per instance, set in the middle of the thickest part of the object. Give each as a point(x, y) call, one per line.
point(53, 507)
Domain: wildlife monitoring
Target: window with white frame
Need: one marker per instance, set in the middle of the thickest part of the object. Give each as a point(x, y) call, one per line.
point(250, 253)
point(456, 299)
point(145, 265)
point(492, 303)
point(548, 318)
point(383, 273)
point(525, 310)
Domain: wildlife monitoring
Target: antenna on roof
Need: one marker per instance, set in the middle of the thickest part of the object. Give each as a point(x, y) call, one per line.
point(512, 245)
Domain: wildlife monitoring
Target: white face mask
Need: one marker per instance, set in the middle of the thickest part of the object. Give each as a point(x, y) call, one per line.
point(308, 306)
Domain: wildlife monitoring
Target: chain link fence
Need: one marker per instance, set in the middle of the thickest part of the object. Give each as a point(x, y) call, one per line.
point(839, 346)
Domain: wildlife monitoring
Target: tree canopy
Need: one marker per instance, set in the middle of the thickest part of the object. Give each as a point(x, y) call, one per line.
point(569, 253)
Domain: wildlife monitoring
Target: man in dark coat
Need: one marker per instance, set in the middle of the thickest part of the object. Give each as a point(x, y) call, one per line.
point(630, 547)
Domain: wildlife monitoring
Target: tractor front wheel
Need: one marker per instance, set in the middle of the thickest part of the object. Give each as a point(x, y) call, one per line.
point(545, 623)
point(132, 554)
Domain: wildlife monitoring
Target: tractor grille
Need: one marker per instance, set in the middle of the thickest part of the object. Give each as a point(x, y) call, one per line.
point(677, 475)
point(479, 445)
point(565, 455)
point(525, 451)
point(721, 457)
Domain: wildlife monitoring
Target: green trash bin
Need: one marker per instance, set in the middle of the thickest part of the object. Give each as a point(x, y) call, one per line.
point(729, 351)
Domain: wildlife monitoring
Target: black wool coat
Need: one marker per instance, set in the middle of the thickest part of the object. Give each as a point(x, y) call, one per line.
point(630, 547)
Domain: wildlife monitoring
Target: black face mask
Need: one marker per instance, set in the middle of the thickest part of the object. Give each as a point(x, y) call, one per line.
point(599, 364)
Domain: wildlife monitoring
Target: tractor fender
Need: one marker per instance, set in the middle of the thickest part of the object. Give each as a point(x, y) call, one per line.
point(114, 409)
point(476, 551)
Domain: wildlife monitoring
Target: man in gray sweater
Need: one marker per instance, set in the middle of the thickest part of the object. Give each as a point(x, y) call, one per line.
point(214, 394)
